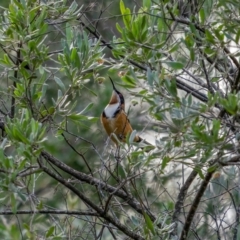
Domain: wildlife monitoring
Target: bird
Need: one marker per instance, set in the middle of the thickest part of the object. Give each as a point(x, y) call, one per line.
point(115, 120)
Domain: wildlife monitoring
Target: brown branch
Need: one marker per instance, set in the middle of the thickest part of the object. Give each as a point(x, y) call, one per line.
point(235, 86)
point(86, 200)
point(236, 224)
point(14, 83)
point(235, 61)
point(58, 212)
point(216, 65)
point(180, 200)
point(234, 160)
point(96, 182)
point(210, 88)
point(194, 205)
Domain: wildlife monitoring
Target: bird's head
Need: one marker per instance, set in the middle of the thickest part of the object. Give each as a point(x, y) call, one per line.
point(117, 97)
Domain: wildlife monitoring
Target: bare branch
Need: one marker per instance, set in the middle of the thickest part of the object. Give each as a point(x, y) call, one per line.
point(95, 182)
point(194, 205)
point(58, 212)
point(88, 202)
point(180, 200)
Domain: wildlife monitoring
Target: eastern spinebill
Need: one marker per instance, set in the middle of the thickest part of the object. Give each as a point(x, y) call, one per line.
point(115, 120)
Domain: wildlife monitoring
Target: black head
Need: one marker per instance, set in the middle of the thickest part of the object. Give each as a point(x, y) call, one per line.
point(119, 94)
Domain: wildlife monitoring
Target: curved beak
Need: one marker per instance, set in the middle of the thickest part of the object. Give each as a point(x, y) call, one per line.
point(113, 84)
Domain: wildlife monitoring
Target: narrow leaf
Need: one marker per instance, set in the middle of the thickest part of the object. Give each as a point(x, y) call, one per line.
point(50, 231)
point(149, 223)
point(59, 82)
point(87, 108)
point(175, 65)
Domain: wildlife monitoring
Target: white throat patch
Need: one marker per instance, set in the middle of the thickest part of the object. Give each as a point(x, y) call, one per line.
point(110, 109)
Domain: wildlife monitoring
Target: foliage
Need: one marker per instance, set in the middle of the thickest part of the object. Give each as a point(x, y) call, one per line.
point(179, 67)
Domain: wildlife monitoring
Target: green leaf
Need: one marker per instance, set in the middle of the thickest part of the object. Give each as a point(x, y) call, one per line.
point(165, 161)
point(209, 36)
point(75, 58)
point(216, 127)
point(26, 226)
point(202, 15)
point(59, 83)
point(171, 87)
point(147, 3)
point(129, 80)
point(39, 206)
point(135, 30)
point(19, 136)
point(126, 14)
point(20, 5)
point(212, 168)
point(174, 48)
point(219, 35)
point(119, 28)
point(77, 117)
point(192, 54)
point(121, 171)
point(149, 223)
point(150, 77)
point(50, 231)
point(87, 108)
point(199, 171)
point(7, 60)
point(68, 33)
point(237, 36)
point(92, 119)
point(175, 65)
point(122, 7)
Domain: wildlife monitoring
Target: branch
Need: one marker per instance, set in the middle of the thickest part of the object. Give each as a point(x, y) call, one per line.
point(58, 212)
point(14, 83)
point(96, 182)
point(233, 161)
point(235, 61)
point(180, 200)
point(210, 88)
point(86, 200)
point(194, 205)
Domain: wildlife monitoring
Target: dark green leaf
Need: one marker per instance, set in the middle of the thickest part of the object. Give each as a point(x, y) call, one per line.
point(149, 223)
point(175, 65)
point(87, 108)
point(165, 161)
point(50, 231)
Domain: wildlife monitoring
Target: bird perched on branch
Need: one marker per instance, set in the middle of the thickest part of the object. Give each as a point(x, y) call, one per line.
point(115, 120)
